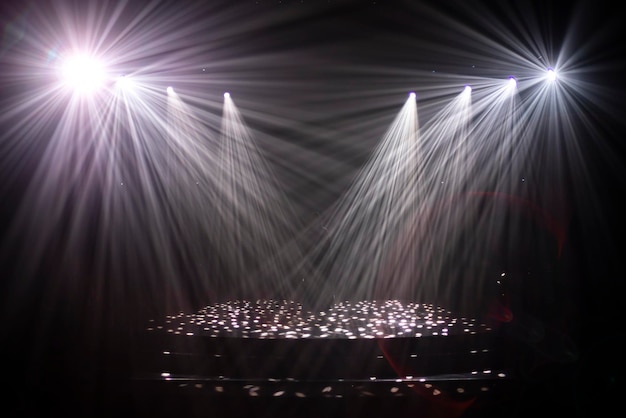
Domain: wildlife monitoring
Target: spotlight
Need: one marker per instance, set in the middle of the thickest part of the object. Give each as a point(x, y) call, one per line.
point(551, 75)
point(512, 85)
point(82, 73)
point(412, 95)
point(124, 82)
point(466, 94)
point(226, 95)
point(170, 90)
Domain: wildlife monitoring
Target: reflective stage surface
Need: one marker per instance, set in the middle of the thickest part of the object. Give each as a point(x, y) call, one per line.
point(373, 354)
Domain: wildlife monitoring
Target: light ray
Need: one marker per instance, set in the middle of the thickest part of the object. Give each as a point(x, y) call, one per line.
point(142, 180)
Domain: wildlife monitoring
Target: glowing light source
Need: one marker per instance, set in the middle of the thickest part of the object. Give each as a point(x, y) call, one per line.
point(124, 82)
point(226, 95)
point(170, 90)
point(512, 85)
point(551, 75)
point(467, 90)
point(83, 73)
point(412, 95)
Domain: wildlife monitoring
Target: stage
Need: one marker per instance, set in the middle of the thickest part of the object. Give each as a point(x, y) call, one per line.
point(241, 355)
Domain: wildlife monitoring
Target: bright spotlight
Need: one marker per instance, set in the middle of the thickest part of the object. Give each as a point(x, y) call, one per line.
point(467, 93)
point(226, 95)
point(170, 90)
point(551, 75)
point(412, 95)
point(124, 82)
point(512, 85)
point(82, 73)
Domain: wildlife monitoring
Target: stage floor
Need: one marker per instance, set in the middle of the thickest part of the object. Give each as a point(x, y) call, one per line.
point(364, 350)
point(287, 319)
